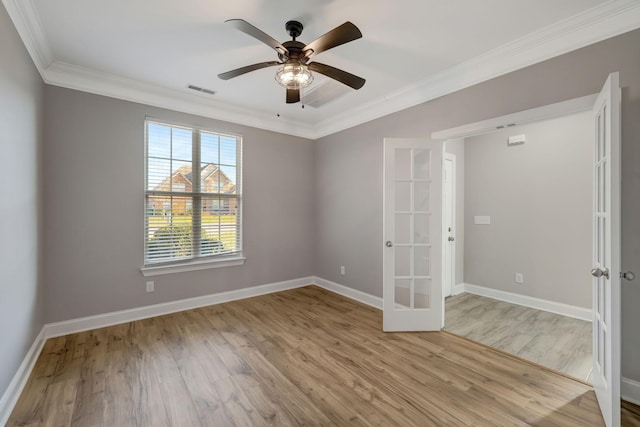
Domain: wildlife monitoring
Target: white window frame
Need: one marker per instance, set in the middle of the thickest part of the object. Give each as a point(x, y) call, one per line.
point(197, 261)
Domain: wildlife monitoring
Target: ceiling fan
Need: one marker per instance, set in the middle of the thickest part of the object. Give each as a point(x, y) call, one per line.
point(295, 69)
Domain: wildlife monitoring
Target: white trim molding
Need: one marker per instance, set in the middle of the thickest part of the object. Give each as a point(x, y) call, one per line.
point(532, 302)
point(19, 380)
point(107, 319)
point(201, 264)
point(601, 22)
point(630, 390)
point(551, 111)
point(345, 291)
point(458, 289)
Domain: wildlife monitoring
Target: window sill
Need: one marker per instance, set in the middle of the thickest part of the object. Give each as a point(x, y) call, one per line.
point(191, 266)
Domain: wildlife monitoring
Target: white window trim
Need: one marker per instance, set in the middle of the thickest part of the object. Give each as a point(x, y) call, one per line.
point(193, 265)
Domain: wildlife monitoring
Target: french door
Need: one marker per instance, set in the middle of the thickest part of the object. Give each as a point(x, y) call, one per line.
point(606, 251)
point(412, 245)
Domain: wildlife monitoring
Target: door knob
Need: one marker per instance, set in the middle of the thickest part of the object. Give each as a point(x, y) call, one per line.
point(628, 275)
point(451, 239)
point(596, 272)
point(389, 244)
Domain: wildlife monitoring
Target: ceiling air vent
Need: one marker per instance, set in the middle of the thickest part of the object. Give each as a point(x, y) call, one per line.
point(200, 89)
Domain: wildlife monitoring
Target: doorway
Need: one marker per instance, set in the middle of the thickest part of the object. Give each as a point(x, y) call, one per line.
point(605, 231)
point(527, 243)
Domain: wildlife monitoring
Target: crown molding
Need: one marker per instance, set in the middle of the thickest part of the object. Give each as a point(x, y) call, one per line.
point(115, 86)
point(25, 18)
point(593, 25)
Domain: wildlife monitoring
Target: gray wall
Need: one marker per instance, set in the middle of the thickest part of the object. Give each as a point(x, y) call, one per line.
point(349, 164)
point(457, 148)
point(20, 126)
point(93, 208)
point(538, 195)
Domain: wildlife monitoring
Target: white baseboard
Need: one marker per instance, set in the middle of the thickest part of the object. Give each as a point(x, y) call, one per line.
point(51, 330)
point(107, 319)
point(630, 390)
point(368, 299)
point(458, 289)
point(537, 303)
point(19, 380)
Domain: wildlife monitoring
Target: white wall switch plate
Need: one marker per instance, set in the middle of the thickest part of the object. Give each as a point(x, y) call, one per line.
point(151, 286)
point(519, 278)
point(482, 220)
point(342, 270)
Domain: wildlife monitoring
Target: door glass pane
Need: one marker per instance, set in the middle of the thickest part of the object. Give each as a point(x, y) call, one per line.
point(602, 353)
point(603, 241)
point(421, 164)
point(403, 228)
point(603, 297)
point(421, 196)
point(598, 137)
point(402, 260)
point(421, 228)
point(402, 293)
point(599, 343)
point(599, 188)
point(403, 163)
point(421, 297)
point(604, 196)
point(403, 196)
point(605, 140)
point(597, 243)
point(422, 260)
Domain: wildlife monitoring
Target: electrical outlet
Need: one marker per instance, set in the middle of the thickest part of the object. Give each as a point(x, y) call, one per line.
point(343, 271)
point(519, 278)
point(151, 286)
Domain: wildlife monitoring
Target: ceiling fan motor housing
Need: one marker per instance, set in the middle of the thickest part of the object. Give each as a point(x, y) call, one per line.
point(294, 28)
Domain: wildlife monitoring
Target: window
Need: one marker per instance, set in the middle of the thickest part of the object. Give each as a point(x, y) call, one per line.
point(192, 195)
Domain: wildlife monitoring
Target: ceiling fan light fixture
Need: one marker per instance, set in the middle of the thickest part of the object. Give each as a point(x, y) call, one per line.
point(294, 75)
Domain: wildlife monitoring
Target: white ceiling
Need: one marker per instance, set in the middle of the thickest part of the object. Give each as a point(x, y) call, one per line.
point(411, 50)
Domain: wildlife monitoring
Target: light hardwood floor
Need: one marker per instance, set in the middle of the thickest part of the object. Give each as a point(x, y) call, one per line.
point(300, 357)
point(557, 342)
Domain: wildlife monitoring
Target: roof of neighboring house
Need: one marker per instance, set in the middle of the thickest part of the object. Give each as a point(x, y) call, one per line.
point(205, 172)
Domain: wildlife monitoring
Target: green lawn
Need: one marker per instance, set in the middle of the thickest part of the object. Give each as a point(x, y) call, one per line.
point(209, 229)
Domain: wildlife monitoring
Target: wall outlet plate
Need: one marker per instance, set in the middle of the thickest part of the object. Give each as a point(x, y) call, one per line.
point(151, 286)
point(519, 278)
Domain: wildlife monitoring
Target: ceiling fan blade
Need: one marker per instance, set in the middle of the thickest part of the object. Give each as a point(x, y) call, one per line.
point(340, 35)
point(243, 70)
point(245, 27)
point(293, 96)
point(348, 79)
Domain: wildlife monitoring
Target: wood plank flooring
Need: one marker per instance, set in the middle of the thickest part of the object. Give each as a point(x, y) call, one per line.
point(299, 357)
point(552, 340)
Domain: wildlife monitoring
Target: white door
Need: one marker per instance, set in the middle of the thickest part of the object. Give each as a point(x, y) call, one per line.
point(412, 260)
point(606, 251)
point(448, 221)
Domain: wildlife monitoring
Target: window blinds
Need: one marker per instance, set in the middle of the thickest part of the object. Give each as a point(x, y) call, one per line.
point(192, 193)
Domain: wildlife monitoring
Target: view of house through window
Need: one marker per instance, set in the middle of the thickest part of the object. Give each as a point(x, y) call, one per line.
point(192, 193)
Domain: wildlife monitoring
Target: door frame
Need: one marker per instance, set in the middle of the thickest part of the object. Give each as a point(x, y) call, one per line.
point(577, 105)
point(547, 112)
point(452, 158)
